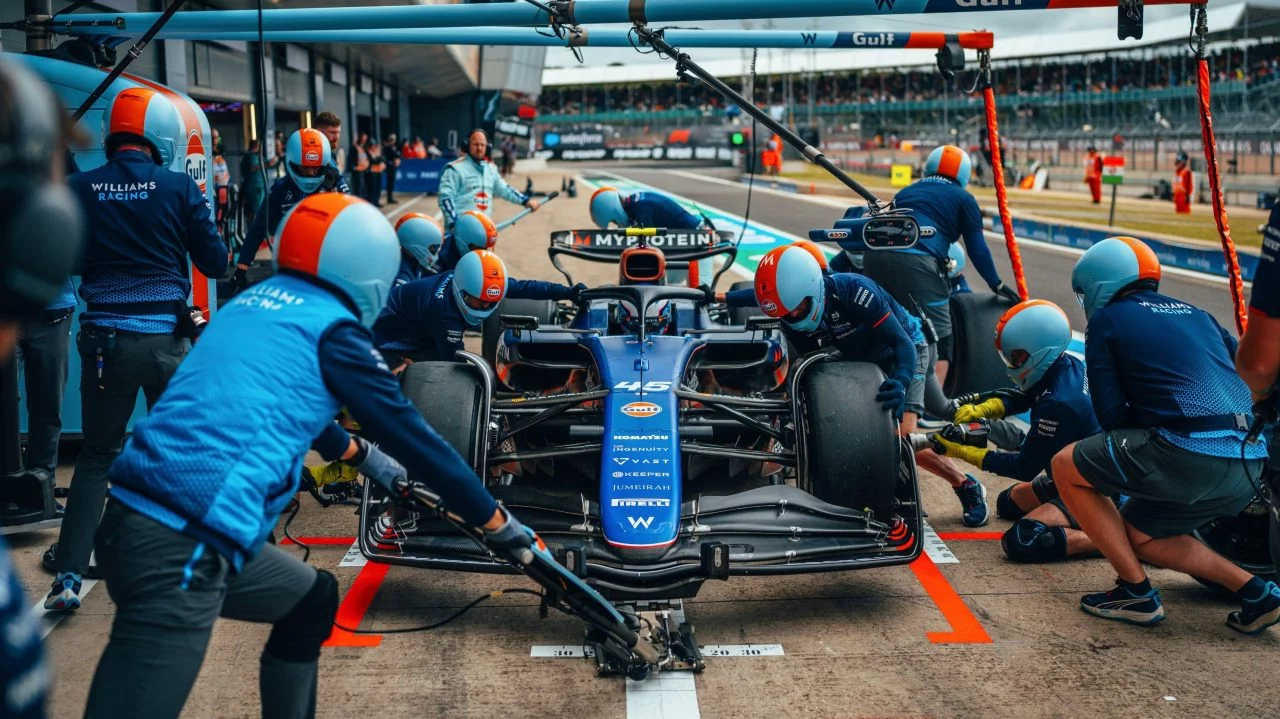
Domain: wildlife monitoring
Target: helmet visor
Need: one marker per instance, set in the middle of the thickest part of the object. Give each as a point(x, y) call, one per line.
point(304, 171)
point(800, 312)
point(477, 304)
point(1015, 359)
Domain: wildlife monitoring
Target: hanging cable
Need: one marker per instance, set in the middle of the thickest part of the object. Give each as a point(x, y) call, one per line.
point(1199, 29)
point(497, 593)
point(997, 172)
point(751, 175)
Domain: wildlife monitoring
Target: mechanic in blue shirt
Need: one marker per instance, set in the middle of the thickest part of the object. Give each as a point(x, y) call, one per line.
point(856, 316)
point(36, 205)
point(473, 230)
point(420, 239)
point(144, 220)
point(309, 168)
point(424, 319)
point(1032, 340)
point(1174, 415)
point(1258, 359)
point(206, 475)
point(917, 275)
point(648, 209)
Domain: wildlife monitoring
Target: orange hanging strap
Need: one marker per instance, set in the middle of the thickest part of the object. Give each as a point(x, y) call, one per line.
point(1215, 183)
point(997, 171)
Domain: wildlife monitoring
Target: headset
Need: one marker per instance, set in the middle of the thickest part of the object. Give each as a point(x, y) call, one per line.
point(41, 229)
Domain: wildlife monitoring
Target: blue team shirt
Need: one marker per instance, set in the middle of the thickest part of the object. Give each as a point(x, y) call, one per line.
point(942, 204)
point(144, 220)
point(1266, 278)
point(1154, 360)
point(652, 209)
point(1061, 413)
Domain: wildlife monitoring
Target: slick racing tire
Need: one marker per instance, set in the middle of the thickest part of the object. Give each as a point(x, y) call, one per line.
point(491, 330)
point(450, 397)
point(1244, 540)
point(974, 364)
point(851, 444)
point(740, 315)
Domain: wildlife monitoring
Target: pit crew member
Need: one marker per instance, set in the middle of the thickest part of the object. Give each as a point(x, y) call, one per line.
point(472, 181)
point(424, 319)
point(183, 537)
point(1032, 339)
point(472, 231)
point(143, 221)
point(420, 239)
point(857, 317)
point(1174, 415)
point(309, 168)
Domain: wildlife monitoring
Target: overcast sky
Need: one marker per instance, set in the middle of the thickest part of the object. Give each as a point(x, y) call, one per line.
point(1001, 23)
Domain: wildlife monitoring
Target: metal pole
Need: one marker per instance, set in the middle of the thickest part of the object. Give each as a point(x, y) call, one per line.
point(39, 37)
point(685, 64)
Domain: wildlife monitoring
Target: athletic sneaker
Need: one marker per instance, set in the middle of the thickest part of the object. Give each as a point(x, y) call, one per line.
point(64, 595)
point(1122, 604)
point(50, 562)
point(973, 498)
point(1257, 614)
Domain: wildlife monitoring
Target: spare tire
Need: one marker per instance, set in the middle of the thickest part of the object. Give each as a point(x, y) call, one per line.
point(739, 315)
point(851, 444)
point(450, 397)
point(491, 330)
point(974, 364)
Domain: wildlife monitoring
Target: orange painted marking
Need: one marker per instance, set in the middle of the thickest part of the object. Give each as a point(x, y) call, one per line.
point(963, 536)
point(355, 605)
point(321, 541)
point(965, 628)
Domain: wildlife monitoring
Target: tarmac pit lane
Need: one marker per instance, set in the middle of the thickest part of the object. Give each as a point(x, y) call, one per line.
point(854, 644)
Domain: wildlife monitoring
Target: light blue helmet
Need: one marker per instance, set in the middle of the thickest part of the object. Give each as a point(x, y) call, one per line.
point(347, 243)
point(140, 113)
point(955, 260)
point(1030, 337)
point(950, 162)
point(479, 284)
point(305, 157)
point(606, 208)
point(789, 286)
point(420, 236)
point(474, 230)
point(1109, 267)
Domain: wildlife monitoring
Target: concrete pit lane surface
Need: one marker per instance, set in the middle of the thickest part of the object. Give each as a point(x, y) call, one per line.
point(960, 633)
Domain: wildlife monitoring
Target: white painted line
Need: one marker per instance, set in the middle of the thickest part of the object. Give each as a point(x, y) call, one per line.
point(742, 650)
point(353, 557)
point(937, 549)
point(560, 651)
point(48, 620)
point(669, 695)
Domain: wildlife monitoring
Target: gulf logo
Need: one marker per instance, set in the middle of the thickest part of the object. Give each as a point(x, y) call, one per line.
point(493, 293)
point(312, 157)
point(641, 409)
point(769, 307)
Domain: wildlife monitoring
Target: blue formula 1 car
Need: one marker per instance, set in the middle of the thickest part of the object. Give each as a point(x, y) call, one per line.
point(652, 446)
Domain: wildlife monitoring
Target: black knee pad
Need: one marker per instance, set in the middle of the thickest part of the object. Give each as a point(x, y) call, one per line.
point(1030, 540)
point(1006, 508)
point(297, 636)
point(1045, 489)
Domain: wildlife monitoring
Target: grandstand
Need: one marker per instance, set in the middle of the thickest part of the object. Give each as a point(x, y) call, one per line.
point(1056, 94)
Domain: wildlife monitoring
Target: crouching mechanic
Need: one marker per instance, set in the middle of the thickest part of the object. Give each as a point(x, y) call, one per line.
point(309, 169)
point(424, 319)
point(1174, 415)
point(648, 209)
point(1032, 339)
point(856, 316)
point(420, 239)
point(183, 538)
point(471, 231)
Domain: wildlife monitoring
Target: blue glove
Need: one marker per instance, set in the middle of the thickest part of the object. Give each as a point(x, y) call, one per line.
point(377, 465)
point(892, 397)
point(513, 540)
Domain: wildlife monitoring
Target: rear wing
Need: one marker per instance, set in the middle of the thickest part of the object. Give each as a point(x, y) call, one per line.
point(681, 247)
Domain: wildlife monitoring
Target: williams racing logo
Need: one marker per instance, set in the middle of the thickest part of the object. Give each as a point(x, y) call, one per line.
point(641, 409)
point(122, 191)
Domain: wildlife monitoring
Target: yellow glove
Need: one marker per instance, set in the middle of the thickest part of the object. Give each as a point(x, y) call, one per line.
point(972, 455)
point(991, 409)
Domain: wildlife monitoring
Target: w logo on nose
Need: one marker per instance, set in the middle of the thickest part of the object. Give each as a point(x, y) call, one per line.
point(638, 522)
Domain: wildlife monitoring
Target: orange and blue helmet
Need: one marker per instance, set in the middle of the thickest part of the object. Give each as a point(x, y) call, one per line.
point(474, 230)
point(142, 114)
point(479, 284)
point(950, 162)
point(789, 286)
point(1110, 267)
point(306, 155)
point(1030, 337)
point(345, 242)
point(813, 249)
point(420, 237)
point(606, 208)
